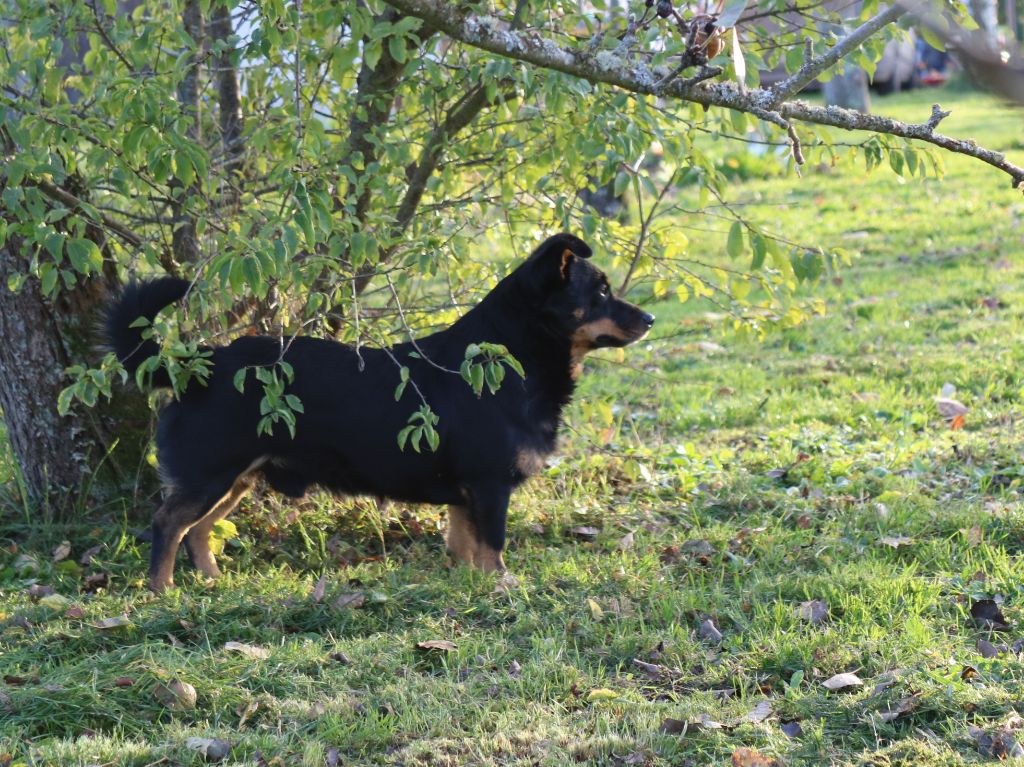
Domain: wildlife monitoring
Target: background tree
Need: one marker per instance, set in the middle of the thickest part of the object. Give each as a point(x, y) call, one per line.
point(349, 168)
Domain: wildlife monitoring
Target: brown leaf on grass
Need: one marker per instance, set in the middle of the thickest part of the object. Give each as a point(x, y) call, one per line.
point(17, 681)
point(803, 522)
point(973, 536)
point(895, 540)
point(670, 726)
point(791, 729)
point(442, 645)
point(62, 551)
point(585, 533)
point(987, 615)
point(814, 611)
point(340, 657)
point(318, 590)
point(653, 670)
point(842, 681)
point(333, 757)
point(108, 624)
point(39, 590)
point(349, 601)
point(96, 581)
point(699, 548)
point(670, 554)
point(506, 583)
point(708, 632)
point(989, 650)
point(626, 542)
point(950, 408)
point(248, 650)
point(748, 757)
point(176, 695)
point(999, 743)
point(212, 749)
point(74, 612)
point(124, 681)
point(89, 554)
point(246, 710)
point(759, 713)
point(903, 706)
point(514, 669)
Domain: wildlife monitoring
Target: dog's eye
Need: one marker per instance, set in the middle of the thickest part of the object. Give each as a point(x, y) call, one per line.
point(604, 291)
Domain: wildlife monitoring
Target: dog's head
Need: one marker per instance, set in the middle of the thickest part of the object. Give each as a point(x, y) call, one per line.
point(575, 298)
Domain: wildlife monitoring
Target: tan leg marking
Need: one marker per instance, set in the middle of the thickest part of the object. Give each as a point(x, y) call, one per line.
point(489, 560)
point(197, 540)
point(462, 543)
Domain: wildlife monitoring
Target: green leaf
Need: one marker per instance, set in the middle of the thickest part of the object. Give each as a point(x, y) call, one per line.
point(396, 47)
point(240, 379)
point(734, 245)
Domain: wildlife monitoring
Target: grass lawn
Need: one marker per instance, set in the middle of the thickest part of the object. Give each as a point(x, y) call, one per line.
point(804, 494)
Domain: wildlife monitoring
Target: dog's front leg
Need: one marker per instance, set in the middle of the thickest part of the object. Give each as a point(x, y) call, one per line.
point(489, 510)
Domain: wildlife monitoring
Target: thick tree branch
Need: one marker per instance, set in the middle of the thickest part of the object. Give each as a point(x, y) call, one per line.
point(185, 242)
point(228, 98)
point(491, 34)
point(455, 121)
point(813, 67)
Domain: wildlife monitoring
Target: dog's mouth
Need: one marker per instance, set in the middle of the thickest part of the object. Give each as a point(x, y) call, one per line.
point(630, 337)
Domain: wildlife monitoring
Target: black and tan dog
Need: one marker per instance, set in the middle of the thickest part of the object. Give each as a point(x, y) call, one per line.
point(549, 313)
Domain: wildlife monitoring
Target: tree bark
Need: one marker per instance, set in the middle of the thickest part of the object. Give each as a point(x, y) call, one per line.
point(53, 453)
point(849, 90)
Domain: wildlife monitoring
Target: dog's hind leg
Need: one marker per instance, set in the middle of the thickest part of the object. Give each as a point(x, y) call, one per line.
point(197, 539)
point(461, 538)
point(178, 512)
point(489, 509)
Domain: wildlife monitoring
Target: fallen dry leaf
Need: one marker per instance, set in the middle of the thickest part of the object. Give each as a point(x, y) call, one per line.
point(903, 706)
point(514, 669)
point(340, 657)
point(124, 681)
point(987, 615)
point(62, 551)
point(95, 582)
point(349, 601)
point(74, 612)
point(601, 693)
point(708, 632)
point(748, 757)
point(842, 681)
point(950, 408)
point(989, 650)
point(176, 695)
point(759, 713)
point(653, 670)
point(791, 729)
point(895, 540)
point(671, 726)
point(39, 590)
point(318, 590)
point(595, 609)
point(814, 611)
point(443, 645)
point(89, 554)
point(999, 743)
point(56, 602)
point(213, 749)
point(973, 536)
point(626, 542)
point(585, 532)
point(506, 583)
point(248, 650)
point(107, 624)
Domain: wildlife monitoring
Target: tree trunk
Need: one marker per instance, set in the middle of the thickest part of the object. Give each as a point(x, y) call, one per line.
point(61, 460)
point(849, 90)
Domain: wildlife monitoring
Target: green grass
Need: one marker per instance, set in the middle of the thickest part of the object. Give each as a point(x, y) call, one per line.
point(690, 470)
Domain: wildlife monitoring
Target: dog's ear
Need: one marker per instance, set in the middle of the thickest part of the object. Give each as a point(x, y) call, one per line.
point(551, 261)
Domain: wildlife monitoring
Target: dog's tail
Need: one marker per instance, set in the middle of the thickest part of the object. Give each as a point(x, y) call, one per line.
point(140, 299)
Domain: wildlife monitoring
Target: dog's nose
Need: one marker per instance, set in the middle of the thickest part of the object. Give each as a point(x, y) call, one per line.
point(648, 318)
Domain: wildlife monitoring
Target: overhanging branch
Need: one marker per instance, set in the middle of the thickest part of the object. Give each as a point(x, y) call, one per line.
point(492, 34)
